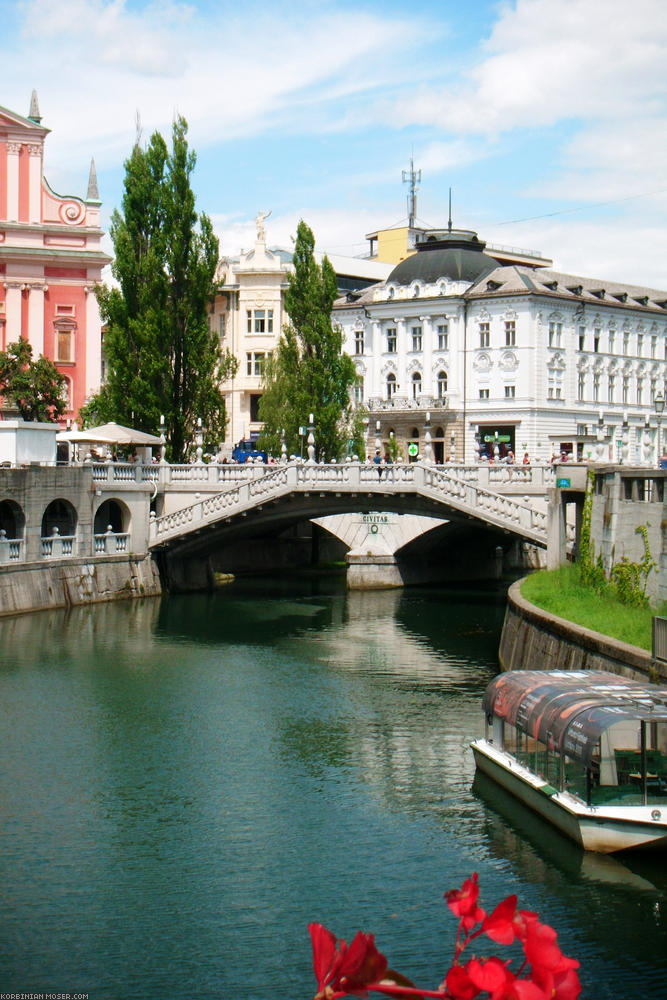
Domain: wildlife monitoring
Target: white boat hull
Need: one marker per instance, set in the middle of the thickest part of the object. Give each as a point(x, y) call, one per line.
point(604, 829)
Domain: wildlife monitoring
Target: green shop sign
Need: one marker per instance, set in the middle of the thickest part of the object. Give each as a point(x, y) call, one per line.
point(563, 484)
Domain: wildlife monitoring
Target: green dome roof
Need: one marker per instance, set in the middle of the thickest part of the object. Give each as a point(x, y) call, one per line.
point(455, 254)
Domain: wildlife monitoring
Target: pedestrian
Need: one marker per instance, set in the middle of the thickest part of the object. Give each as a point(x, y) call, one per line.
point(377, 460)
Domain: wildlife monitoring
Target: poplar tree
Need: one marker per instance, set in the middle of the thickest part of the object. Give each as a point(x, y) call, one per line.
point(308, 372)
point(162, 356)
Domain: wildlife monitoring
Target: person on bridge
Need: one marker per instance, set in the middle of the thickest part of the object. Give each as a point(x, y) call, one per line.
point(377, 459)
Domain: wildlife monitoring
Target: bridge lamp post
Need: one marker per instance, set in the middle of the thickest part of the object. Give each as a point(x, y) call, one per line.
point(659, 403)
point(428, 451)
point(311, 440)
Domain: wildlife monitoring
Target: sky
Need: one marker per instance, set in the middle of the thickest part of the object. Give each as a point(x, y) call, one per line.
point(546, 118)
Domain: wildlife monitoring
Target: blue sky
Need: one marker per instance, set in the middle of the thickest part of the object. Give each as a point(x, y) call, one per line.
point(545, 117)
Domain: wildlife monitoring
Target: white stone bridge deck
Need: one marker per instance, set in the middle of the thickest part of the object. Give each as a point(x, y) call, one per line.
point(230, 493)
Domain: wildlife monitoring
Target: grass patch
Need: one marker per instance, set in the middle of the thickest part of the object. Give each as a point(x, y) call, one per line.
point(561, 592)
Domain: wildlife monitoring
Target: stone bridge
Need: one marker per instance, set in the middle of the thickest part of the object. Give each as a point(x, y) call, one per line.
point(270, 498)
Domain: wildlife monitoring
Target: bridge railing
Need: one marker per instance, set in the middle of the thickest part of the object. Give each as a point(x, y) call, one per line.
point(441, 482)
point(484, 474)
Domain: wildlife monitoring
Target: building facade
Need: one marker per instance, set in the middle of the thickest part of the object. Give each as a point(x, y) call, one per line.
point(248, 316)
point(50, 260)
point(474, 352)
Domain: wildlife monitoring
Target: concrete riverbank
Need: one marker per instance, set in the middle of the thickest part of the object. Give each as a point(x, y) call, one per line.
point(64, 583)
point(533, 639)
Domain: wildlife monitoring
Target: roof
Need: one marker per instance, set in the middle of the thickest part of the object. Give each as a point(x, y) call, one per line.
point(568, 710)
point(457, 255)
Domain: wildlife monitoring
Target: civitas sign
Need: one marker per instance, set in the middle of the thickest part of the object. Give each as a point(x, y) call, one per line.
point(375, 518)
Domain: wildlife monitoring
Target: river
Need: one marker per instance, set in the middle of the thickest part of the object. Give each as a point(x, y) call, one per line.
point(186, 783)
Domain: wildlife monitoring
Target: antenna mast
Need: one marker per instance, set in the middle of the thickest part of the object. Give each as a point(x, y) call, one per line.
point(413, 177)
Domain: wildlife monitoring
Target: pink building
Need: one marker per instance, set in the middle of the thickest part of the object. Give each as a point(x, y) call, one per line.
point(51, 259)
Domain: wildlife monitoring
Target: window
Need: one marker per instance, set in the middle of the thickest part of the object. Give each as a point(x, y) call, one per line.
point(582, 338)
point(612, 337)
point(510, 391)
point(64, 331)
point(640, 390)
point(596, 341)
point(442, 384)
point(416, 338)
point(640, 345)
point(510, 333)
point(626, 343)
point(359, 390)
point(555, 331)
point(654, 346)
point(222, 325)
point(626, 388)
point(255, 362)
point(391, 340)
point(443, 337)
point(262, 322)
point(391, 385)
point(612, 388)
point(483, 393)
point(358, 341)
point(596, 387)
point(581, 387)
point(416, 385)
point(484, 334)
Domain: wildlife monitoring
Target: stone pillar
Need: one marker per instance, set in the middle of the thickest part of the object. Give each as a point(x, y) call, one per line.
point(13, 311)
point(35, 189)
point(372, 571)
point(13, 150)
point(556, 534)
point(36, 319)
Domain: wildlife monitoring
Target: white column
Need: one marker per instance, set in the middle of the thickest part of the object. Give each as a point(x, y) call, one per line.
point(13, 311)
point(36, 319)
point(35, 190)
point(13, 149)
point(93, 343)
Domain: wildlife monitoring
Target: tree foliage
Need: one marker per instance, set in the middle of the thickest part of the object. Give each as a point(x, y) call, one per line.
point(36, 388)
point(162, 356)
point(308, 373)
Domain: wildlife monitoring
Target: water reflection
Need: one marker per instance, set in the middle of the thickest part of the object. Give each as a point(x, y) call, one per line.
point(186, 783)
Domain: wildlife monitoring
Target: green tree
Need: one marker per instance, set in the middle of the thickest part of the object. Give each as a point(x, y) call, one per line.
point(308, 373)
point(162, 356)
point(36, 388)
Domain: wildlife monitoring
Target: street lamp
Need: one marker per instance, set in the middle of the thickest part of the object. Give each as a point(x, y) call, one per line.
point(659, 403)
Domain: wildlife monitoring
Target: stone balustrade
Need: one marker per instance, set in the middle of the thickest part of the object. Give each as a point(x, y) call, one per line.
point(443, 484)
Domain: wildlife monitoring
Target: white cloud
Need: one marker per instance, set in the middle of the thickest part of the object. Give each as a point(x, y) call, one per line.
point(546, 61)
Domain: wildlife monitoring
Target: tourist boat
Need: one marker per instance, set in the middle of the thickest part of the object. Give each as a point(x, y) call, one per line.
point(587, 750)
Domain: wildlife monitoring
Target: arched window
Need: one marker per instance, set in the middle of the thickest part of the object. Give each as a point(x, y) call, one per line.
point(442, 384)
point(416, 385)
point(59, 518)
point(391, 385)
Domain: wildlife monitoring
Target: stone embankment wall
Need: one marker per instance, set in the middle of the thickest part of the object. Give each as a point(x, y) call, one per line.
point(67, 582)
point(533, 639)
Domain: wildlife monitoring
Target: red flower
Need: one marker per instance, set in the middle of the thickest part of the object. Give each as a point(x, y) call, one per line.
point(540, 946)
point(463, 902)
point(561, 983)
point(459, 985)
point(490, 974)
point(339, 968)
point(499, 925)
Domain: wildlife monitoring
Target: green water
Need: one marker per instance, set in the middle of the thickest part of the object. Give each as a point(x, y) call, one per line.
point(185, 784)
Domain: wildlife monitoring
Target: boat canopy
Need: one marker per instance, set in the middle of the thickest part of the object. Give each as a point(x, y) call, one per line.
point(568, 710)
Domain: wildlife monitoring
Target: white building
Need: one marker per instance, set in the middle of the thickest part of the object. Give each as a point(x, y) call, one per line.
point(248, 317)
point(498, 352)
